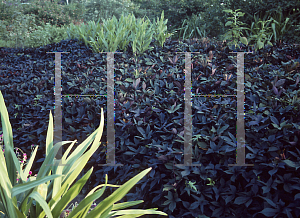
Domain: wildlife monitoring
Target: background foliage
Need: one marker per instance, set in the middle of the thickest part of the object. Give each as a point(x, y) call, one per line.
point(210, 13)
point(102, 9)
point(262, 7)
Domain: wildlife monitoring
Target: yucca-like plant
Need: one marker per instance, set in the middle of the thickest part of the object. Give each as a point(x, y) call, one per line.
point(193, 28)
point(49, 192)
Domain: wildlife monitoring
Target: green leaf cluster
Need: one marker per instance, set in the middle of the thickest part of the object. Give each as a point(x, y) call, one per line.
point(236, 30)
point(114, 34)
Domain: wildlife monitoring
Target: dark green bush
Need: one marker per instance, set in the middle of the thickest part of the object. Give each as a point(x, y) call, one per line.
point(7, 10)
point(178, 11)
point(75, 10)
point(102, 9)
point(48, 12)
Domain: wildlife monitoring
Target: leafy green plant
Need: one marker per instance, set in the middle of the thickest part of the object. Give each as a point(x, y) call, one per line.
point(265, 7)
point(236, 31)
point(93, 33)
point(280, 26)
point(22, 161)
point(50, 194)
point(114, 34)
point(140, 37)
point(191, 27)
point(55, 35)
point(160, 28)
point(260, 33)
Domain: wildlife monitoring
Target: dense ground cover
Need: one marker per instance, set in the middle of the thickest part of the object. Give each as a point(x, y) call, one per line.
point(290, 66)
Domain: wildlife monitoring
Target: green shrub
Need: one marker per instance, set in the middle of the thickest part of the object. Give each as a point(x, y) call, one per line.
point(211, 17)
point(17, 32)
point(172, 9)
point(3, 30)
point(37, 24)
point(56, 33)
point(215, 18)
point(46, 35)
point(103, 9)
point(75, 10)
point(23, 32)
point(7, 10)
point(192, 28)
point(48, 12)
point(150, 9)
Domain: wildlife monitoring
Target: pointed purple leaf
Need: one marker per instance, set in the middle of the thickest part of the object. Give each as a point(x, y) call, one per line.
point(280, 82)
point(174, 131)
point(275, 90)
